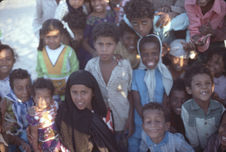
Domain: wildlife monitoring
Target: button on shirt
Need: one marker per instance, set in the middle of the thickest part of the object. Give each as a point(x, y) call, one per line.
point(198, 125)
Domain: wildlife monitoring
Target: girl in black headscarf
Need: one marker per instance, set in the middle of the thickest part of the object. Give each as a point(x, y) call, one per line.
point(79, 118)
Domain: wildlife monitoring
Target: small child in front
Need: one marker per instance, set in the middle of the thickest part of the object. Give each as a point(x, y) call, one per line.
point(200, 114)
point(41, 117)
point(155, 136)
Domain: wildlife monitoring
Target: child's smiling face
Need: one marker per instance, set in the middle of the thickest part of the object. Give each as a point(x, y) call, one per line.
point(155, 125)
point(53, 39)
point(99, 6)
point(201, 88)
point(216, 65)
point(177, 98)
point(150, 54)
point(6, 61)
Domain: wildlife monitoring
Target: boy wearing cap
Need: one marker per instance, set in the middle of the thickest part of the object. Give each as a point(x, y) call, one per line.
point(178, 57)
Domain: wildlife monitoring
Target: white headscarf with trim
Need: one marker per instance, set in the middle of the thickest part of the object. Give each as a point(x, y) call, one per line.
point(149, 77)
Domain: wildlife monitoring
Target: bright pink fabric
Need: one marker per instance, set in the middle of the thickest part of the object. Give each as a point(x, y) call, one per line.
point(215, 16)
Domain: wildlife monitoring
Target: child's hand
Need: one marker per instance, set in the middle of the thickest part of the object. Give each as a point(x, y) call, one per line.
point(25, 146)
point(188, 46)
point(164, 19)
point(206, 29)
point(118, 57)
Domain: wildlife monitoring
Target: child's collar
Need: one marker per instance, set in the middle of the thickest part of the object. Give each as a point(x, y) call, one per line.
point(150, 143)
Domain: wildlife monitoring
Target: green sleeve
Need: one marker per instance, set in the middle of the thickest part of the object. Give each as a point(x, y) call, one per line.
point(74, 64)
point(38, 66)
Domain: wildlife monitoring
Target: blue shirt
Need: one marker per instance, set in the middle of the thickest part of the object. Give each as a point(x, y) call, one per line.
point(170, 143)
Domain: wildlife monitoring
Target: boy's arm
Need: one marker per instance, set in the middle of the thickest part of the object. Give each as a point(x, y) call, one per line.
point(137, 103)
point(130, 122)
point(190, 132)
point(33, 137)
point(38, 66)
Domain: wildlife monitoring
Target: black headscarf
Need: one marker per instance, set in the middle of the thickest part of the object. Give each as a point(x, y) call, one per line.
point(83, 121)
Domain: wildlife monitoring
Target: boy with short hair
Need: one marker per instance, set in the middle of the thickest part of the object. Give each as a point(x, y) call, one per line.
point(114, 76)
point(200, 114)
point(14, 108)
point(155, 136)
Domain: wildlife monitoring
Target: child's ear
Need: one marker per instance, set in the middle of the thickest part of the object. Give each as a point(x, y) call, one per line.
point(188, 89)
point(167, 126)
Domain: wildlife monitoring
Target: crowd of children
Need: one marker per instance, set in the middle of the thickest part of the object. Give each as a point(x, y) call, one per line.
point(156, 78)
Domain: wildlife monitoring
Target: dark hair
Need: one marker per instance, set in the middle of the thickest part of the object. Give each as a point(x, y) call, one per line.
point(18, 74)
point(138, 9)
point(47, 26)
point(42, 83)
point(178, 84)
point(5, 46)
point(123, 27)
point(194, 70)
point(76, 21)
point(219, 51)
point(156, 106)
point(149, 39)
point(105, 30)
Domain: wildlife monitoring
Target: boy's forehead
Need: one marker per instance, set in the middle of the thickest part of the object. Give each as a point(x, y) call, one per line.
point(105, 38)
point(140, 19)
point(150, 112)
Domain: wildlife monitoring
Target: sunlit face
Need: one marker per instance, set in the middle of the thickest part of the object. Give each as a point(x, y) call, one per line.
point(53, 39)
point(177, 98)
point(154, 125)
point(216, 65)
point(150, 54)
point(143, 26)
point(201, 88)
point(203, 3)
point(6, 61)
point(81, 96)
point(222, 131)
point(21, 88)
point(178, 63)
point(43, 98)
point(76, 3)
point(129, 40)
point(105, 47)
point(98, 5)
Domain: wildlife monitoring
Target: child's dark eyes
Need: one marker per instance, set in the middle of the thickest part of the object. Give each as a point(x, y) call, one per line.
point(144, 22)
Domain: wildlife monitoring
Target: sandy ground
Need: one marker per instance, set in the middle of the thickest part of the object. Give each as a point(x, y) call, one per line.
point(16, 25)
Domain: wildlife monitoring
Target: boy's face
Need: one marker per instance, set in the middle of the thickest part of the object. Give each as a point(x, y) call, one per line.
point(222, 131)
point(178, 63)
point(216, 65)
point(129, 40)
point(78, 35)
point(154, 125)
point(99, 5)
point(143, 26)
point(177, 98)
point(6, 61)
point(21, 88)
point(105, 47)
point(201, 88)
point(150, 55)
point(53, 39)
point(43, 98)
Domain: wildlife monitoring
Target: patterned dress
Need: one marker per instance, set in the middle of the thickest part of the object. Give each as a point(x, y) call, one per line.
point(47, 135)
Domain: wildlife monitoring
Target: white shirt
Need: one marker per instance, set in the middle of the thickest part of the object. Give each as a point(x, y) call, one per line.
point(116, 91)
point(54, 54)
